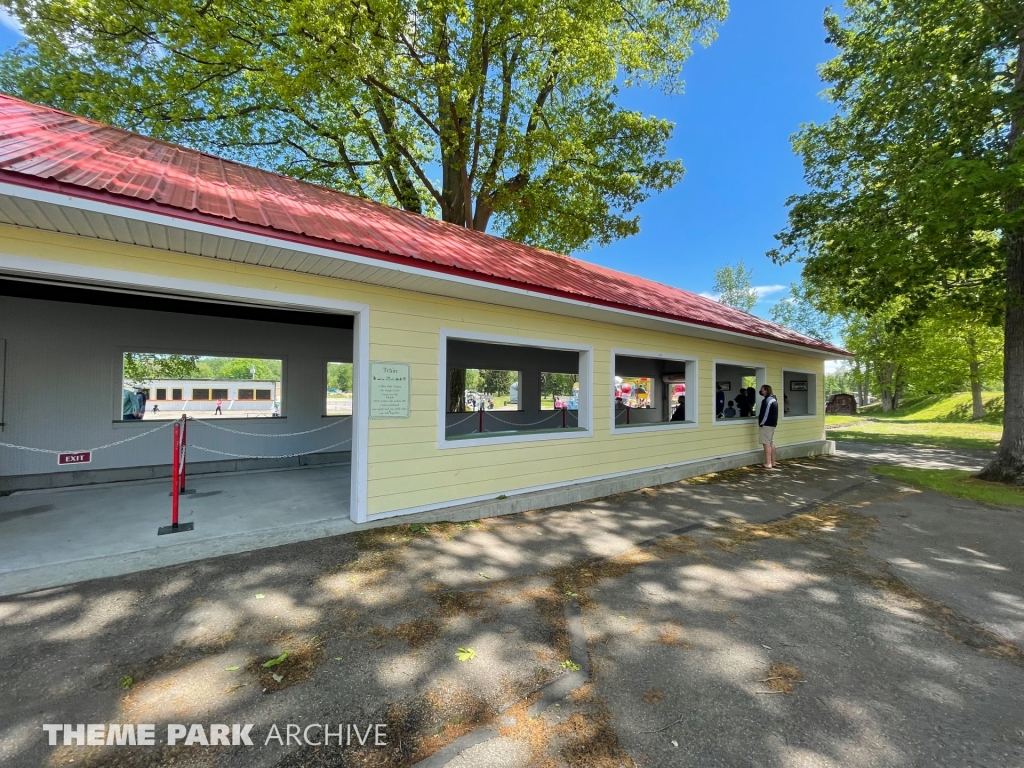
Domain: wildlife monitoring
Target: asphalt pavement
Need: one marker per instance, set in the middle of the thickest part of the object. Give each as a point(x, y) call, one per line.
point(819, 615)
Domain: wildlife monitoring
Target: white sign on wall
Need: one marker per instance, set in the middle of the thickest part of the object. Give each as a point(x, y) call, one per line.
point(389, 390)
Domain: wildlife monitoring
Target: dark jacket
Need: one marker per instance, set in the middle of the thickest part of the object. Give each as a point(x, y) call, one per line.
point(741, 404)
point(768, 416)
point(719, 403)
point(679, 414)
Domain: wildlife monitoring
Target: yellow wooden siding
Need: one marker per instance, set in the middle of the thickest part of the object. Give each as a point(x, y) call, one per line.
point(406, 468)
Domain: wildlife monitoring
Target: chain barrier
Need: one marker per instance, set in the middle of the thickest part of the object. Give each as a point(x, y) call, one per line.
point(90, 450)
point(280, 456)
point(206, 423)
point(529, 424)
point(463, 421)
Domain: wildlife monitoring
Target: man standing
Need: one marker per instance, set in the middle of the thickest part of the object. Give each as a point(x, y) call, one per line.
point(767, 419)
point(679, 414)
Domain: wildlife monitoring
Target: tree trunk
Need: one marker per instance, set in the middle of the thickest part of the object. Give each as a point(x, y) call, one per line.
point(977, 404)
point(1008, 464)
point(887, 388)
point(457, 391)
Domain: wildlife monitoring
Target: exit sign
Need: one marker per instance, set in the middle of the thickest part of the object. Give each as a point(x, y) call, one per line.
point(79, 457)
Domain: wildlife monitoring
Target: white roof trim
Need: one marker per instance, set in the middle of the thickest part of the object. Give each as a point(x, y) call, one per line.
point(501, 294)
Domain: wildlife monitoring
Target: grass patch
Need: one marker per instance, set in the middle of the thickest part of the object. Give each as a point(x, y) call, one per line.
point(938, 421)
point(934, 434)
point(958, 483)
point(947, 408)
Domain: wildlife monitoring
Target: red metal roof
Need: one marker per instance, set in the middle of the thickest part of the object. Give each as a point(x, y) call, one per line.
point(45, 148)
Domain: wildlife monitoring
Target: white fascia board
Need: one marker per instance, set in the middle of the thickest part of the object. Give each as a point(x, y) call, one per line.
point(615, 314)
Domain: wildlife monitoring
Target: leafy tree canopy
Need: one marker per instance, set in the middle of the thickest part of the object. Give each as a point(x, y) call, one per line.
point(734, 287)
point(478, 111)
point(496, 382)
point(916, 185)
point(339, 376)
point(798, 312)
point(909, 180)
point(142, 367)
point(238, 368)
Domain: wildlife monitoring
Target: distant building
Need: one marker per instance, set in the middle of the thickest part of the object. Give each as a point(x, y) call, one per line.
point(191, 395)
point(842, 404)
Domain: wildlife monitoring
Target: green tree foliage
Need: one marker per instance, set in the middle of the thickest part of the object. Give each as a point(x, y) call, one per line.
point(560, 384)
point(798, 312)
point(916, 184)
point(142, 367)
point(478, 111)
point(957, 352)
point(734, 287)
point(496, 382)
point(238, 368)
point(842, 379)
point(339, 376)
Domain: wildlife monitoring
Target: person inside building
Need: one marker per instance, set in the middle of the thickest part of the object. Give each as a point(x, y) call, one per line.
point(730, 410)
point(741, 403)
point(679, 414)
point(719, 401)
point(129, 405)
point(767, 419)
point(141, 396)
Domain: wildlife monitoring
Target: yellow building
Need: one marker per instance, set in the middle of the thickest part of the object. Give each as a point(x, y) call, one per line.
point(113, 243)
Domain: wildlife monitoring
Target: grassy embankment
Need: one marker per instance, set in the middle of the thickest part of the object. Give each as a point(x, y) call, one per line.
point(942, 421)
point(954, 482)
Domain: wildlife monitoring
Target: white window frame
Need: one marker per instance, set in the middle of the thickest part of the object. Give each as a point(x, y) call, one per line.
point(586, 373)
point(818, 401)
point(665, 425)
point(760, 375)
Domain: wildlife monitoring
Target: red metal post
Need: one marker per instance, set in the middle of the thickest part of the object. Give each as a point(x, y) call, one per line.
point(563, 418)
point(175, 468)
point(481, 421)
point(184, 442)
point(627, 414)
point(177, 476)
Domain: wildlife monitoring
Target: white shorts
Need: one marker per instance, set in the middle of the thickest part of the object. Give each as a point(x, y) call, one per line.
point(766, 435)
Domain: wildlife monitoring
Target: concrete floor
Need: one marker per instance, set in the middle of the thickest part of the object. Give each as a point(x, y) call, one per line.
point(60, 536)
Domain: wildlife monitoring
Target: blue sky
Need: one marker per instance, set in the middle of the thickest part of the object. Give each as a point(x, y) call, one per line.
point(745, 96)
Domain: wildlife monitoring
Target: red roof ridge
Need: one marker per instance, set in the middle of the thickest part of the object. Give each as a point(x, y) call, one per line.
point(93, 158)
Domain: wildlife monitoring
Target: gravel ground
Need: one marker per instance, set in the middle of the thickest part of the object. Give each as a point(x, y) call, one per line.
point(872, 627)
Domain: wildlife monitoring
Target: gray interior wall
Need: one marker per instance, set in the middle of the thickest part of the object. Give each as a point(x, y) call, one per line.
point(800, 403)
point(62, 380)
point(504, 421)
point(508, 357)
